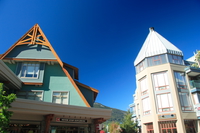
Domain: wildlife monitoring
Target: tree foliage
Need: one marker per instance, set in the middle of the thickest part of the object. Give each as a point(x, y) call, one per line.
point(197, 57)
point(114, 127)
point(5, 101)
point(128, 126)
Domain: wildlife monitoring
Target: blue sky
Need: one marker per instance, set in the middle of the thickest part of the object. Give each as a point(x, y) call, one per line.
point(103, 37)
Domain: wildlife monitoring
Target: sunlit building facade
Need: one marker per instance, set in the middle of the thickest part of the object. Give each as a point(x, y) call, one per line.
point(167, 96)
point(50, 99)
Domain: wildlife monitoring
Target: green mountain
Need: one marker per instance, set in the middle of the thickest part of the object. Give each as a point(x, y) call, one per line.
point(117, 115)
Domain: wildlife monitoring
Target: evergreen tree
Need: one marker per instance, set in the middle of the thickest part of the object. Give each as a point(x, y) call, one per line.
point(128, 126)
point(5, 101)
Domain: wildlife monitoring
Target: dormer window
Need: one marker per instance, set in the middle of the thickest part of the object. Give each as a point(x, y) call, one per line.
point(30, 70)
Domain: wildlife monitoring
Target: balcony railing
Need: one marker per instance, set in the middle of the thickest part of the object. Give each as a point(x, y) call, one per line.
point(195, 84)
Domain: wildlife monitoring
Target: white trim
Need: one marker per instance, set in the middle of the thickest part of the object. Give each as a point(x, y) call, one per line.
point(27, 68)
point(60, 91)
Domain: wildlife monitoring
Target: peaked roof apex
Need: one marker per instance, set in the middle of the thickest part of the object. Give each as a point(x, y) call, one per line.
point(155, 44)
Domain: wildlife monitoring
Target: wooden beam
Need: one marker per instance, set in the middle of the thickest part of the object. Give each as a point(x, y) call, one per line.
point(48, 119)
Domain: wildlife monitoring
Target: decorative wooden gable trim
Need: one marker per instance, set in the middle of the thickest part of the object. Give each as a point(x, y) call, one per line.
point(36, 36)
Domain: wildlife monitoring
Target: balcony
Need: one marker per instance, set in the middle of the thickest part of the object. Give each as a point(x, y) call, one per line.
point(195, 86)
point(197, 109)
point(192, 71)
point(133, 114)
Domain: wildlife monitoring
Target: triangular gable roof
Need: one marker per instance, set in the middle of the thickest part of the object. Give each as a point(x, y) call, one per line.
point(36, 36)
point(156, 44)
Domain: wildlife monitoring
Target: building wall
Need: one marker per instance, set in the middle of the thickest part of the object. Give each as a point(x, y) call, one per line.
point(154, 116)
point(56, 80)
point(31, 52)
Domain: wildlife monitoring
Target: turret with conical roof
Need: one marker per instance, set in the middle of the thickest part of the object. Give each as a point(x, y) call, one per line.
point(155, 44)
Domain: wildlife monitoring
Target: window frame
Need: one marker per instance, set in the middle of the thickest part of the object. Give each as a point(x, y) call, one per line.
point(183, 78)
point(166, 86)
point(144, 91)
point(146, 112)
point(171, 108)
point(155, 60)
point(60, 96)
point(149, 127)
point(24, 72)
point(175, 59)
point(198, 98)
point(140, 66)
point(27, 94)
point(168, 125)
point(184, 108)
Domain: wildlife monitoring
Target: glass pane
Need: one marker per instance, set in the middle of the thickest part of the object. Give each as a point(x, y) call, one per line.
point(24, 97)
point(38, 98)
point(161, 80)
point(164, 131)
point(56, 100)
point(174, 130)
point(164, 100)
point(143, 84)
point(159, 101)
point(168, 130)
point(64, 100)
point(36, 71)
point(64, 93)
point(170, 100)
point(56, 93)
point(23, 71)
point(31, 97)
point(31, 93)
point(30, 71)
point(38, 93)
point(21, 93)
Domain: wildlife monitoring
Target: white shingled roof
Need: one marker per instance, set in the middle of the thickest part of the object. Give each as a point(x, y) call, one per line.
point(156, 44)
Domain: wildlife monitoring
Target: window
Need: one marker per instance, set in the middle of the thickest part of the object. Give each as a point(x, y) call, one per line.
point(30, 70)
point(175, 59)
point(138, 111)
point(196, 98)
point(180, 80)
point(168, 126)
point(132, 108)
point(32, 95)
point(156, 60)
point(160, 81)
point(190, 126)
point(140, 66)
point(146, 106)
point(185, 101)
point(164, 102)
point(144, 86)
point(60, 97)
point(149, 127)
